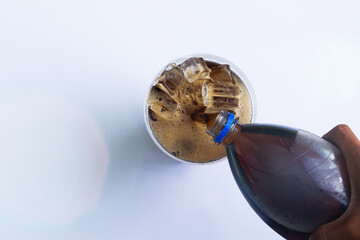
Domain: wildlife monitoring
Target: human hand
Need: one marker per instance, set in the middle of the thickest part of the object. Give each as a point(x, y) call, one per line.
point(347, 226)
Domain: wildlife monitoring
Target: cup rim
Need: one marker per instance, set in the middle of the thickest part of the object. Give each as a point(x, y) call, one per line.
point(206, 57)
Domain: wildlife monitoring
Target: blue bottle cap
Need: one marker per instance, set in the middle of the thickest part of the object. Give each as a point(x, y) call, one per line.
point(226, 128)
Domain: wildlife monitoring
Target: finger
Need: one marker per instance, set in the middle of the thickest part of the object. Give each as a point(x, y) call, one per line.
point(345, 139)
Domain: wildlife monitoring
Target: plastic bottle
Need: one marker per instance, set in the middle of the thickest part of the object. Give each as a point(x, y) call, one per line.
point(294, 180)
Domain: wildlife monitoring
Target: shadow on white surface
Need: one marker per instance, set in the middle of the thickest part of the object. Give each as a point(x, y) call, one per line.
point(140, 176)
point(53, 163)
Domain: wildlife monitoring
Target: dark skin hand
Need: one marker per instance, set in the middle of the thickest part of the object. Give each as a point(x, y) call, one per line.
point(347, 226)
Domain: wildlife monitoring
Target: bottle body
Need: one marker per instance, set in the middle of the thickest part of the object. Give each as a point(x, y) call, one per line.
point(294, 180)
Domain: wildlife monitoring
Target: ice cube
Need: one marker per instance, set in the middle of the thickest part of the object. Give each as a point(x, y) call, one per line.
point(161, 104)
point(161, 110)
point(213, 89)
point(223, 103)
point(152, 115)
point(194, 69)
point(222, 73)
point(192, 93)
point(171, 79)
point(220, 96)
point(225, 90)
point(202, 117)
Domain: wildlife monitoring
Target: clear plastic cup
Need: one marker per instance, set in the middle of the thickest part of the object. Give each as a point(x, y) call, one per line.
point(208, 58)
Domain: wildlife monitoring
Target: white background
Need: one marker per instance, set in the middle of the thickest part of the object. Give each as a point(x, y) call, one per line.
point(75, 159)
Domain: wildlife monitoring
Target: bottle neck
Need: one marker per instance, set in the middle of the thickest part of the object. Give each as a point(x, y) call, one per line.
point(223, 127)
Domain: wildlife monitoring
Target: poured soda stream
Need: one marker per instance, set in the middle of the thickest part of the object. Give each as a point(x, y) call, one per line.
point(294, 180)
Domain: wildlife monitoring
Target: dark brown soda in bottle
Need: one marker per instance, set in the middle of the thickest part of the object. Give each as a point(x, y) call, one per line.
point(294, 180)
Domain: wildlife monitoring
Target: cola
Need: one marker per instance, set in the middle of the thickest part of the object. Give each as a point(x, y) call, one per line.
point(182, 100)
